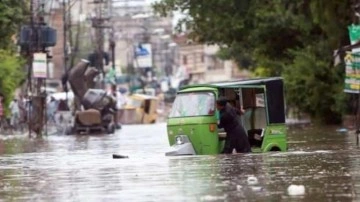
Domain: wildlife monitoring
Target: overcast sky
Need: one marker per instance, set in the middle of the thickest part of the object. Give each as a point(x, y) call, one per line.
point(177, 15)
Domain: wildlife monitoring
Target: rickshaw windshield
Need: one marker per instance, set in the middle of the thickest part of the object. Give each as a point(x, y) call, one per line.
point(193, 104)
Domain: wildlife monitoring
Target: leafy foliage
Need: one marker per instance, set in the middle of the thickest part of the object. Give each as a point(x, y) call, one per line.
point(278, 37)
point(12, 14)
point(11, 74)
point(313, 85)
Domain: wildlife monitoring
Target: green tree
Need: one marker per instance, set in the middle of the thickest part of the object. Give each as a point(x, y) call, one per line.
point(11, 74)
point(12, 15)
point(312, 85)
point(294, 38)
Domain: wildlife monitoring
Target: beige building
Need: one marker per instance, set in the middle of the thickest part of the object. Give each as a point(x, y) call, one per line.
point(201, 62)
point(217, 69)
point(55, 20)
point(131, 30)
point(79, 10)
point(191, 56)
point(220, 70)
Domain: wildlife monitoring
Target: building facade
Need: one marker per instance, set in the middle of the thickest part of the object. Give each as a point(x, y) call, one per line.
point(134, 29)
point(55, 20)
point(191, 57)
point(217, 69)
point(202, 63)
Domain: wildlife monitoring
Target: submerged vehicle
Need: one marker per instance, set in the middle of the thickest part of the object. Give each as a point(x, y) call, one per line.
point(192, 123)
point(94, 109)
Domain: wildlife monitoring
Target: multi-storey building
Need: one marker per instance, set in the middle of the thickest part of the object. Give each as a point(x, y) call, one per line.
point(191, 57)
point(134, 23)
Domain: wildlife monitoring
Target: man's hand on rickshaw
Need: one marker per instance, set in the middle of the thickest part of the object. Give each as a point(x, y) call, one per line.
point(242, 110)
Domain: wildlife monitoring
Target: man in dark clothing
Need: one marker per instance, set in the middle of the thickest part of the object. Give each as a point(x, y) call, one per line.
point(236, 137)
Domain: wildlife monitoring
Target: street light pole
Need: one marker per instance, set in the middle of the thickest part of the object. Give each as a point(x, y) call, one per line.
point(112, 48)
point(112, 43)
point(64, 35)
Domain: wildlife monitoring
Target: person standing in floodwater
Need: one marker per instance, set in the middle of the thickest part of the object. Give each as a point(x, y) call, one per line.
point(14, 109)
point(51, 110)
point(120, 103)
point(236, 137)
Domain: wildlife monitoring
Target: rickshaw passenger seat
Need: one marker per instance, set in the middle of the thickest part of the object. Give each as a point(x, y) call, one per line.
point(255, 137)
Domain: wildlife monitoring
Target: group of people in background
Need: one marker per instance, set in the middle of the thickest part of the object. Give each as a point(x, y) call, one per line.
point(120, 103)
point(18, 112)
point(19, 108)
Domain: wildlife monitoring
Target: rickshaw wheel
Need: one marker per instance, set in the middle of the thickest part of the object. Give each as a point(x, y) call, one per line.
point(273, 149)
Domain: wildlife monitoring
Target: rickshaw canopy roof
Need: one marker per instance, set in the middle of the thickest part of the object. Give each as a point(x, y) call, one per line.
point(237, 83)
point(274, 89)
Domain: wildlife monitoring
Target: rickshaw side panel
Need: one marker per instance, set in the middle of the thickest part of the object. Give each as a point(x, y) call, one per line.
point(274, 138)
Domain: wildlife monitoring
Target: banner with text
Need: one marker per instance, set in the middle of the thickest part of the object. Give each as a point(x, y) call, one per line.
point(40, 65)
point(352, 73)
point(352, 62)
point(143, 56)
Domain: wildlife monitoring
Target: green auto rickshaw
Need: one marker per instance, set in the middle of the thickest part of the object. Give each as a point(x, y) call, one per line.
point(192, 123)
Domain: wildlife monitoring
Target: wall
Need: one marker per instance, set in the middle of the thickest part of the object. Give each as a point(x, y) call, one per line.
point(57, 50)
point(191, 56)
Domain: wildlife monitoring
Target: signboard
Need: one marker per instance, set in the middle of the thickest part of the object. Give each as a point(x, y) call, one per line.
point(143, 56)
point(352, 73)
point(354, 33)
point(352, 62)
point(39, 65)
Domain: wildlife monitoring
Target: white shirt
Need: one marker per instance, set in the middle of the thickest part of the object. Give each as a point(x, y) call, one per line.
point(120, 100)
point(14, 107)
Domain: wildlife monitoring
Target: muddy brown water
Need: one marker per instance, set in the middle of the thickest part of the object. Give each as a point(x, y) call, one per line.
point(81, 168)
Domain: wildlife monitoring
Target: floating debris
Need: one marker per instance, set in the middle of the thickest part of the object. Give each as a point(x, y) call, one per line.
point(296, 190)
point(256, 188)
point(342, 130)
point(252, 180)
point(213, 198)
point(118, 156)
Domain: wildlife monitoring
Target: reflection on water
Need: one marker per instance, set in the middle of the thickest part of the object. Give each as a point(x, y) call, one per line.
point(81, 168)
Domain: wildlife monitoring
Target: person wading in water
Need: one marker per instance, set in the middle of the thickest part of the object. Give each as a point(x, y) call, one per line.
point(236, 137)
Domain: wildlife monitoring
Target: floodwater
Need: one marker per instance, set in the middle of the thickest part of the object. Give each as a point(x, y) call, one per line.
point(81, 168)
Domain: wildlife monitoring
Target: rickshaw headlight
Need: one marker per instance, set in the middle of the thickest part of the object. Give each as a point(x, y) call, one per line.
point(179, 140)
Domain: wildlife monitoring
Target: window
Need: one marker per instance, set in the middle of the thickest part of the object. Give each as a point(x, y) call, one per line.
point(184, 58)
point(193, 104)
point(202, 58)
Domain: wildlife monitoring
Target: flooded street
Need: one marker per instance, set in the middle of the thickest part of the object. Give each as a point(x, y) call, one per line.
point(81, 168)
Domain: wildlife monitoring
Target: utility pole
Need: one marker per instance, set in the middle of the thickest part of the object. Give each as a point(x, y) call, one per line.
point(98, 22)
point(112, 43)
point(39, 99)
point(76, 44)
point(68, 55)
point(35, 38)
point(65, 26)
point(65, 59)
